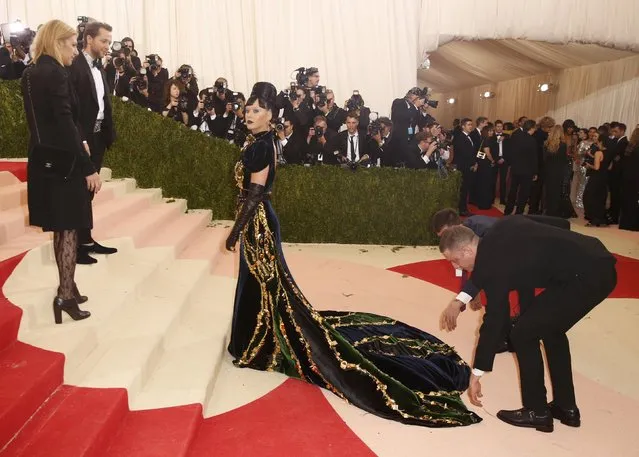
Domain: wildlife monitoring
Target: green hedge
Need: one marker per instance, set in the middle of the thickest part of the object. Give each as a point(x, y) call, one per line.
point(315, 204)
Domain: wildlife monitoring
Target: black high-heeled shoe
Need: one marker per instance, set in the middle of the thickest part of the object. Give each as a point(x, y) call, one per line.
point(79, 298)
point(70, 307)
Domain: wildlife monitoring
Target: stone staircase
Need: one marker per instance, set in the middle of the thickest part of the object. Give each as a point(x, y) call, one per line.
point(154, 301)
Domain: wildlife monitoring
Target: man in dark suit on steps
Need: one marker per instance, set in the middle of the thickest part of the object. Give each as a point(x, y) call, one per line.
point(576, 272)
point(522, 157)
point(465, 158)
point(96, 121)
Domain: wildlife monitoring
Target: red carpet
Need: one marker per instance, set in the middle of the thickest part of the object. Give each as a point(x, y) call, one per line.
point(19, 169)
point(65, 421)
point(293, 420)
point(441, 273)
point(492, 212)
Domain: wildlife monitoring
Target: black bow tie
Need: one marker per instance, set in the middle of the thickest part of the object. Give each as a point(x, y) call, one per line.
point(97, 63)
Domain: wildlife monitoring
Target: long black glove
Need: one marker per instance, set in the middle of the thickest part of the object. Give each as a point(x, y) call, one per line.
point(254, 196)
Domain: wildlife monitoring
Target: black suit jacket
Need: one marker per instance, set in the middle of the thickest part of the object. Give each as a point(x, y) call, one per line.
point(620, 147)
point(523, 155)
point(404, 116)
point(84, 86)
point(338, 146)
point(465, 152)
point(476, 137)
point(56, 109)
point(294, 151)
point(546, 256)
point(392, 151)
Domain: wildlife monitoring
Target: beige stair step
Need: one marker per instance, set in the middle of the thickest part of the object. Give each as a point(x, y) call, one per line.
point(13, 196)
point(181, 232)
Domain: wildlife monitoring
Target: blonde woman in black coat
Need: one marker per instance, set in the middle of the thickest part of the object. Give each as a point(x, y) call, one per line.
point(58, 193)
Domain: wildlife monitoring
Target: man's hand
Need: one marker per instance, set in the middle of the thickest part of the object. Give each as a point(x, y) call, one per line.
point(86, 147)
point(475, 303)
point(535, 178)
point(500, 161)
point(281, 135)
point(94, 183)
point(474, 390)
point(448, 318)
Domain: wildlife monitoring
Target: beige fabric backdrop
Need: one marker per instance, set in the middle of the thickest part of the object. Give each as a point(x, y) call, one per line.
point(590, 95)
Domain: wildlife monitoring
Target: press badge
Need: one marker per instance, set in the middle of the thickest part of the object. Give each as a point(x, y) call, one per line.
point(410, 130)
point(458, 272)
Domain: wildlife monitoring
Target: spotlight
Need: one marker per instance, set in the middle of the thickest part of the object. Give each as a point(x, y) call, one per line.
point(451, 101)
point(487, 94)
point(545, 87)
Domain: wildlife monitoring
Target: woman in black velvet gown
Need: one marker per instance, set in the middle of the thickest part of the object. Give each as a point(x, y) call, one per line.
point(381, 365)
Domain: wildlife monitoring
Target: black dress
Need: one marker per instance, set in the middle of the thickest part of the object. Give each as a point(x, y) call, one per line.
point(554, 167)
point(55, 204)
point(376, 363)
point(596, 192)
point(629, 216)
point(484, 189)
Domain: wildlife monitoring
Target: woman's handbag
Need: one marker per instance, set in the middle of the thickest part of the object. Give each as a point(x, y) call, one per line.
point(46, 158)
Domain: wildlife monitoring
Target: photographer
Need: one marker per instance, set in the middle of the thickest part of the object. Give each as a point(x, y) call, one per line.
point(237, 130)
point(215, 109)
point(421, 153)
point(187, 77)
point(404, 114)
point(148, 87)
point(317, 140)
point(177, 102)
point(131, 53)
point(295, 103)
point(119, 73)
point(293, 144)
point(12, 61)
point(335, 116)
point(351, 145)
point(356, 104)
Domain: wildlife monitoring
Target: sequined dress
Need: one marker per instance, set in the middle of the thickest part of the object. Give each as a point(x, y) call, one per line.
point(374, 362)
point(580, 172)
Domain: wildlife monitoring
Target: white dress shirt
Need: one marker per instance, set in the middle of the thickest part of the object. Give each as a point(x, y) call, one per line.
point(99, 85)
point(356, 144)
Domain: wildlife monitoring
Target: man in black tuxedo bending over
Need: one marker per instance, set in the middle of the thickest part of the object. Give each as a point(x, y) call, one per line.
point(577, 273)
point(96, 121)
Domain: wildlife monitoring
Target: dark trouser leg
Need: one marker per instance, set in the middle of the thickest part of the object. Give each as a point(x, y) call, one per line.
point(614, 184)
point(550, 316)
point(464, 190)
point(536, 196)
point(524, 193)
point(97, 147)
point(503, 176)
point(515, 181)
point(560, 367)
point(65, 245)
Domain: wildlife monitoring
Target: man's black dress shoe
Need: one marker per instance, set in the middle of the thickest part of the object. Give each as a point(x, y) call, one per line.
point(97, 248)
point(83, 257)
point(569, 417)
point(525, 417)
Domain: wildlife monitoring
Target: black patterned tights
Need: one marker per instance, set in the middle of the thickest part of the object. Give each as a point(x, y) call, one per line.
point(65, 245)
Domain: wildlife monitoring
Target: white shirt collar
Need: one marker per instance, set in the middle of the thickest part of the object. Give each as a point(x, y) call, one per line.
point(89, 58)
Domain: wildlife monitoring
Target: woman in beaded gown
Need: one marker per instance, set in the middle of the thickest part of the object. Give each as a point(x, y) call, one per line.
point(583, 151)
point(378, 364)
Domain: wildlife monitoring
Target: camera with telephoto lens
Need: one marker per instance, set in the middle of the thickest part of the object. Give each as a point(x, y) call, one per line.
point(220, 87)
point(233, 100)
point(20, 39)
point(279, 124)
point(182, 103)
point(153, 61)
point(319, 132)
point(355, 102)
point(139, 83)
point(375, 128)
point(322, 100)
point(117, 49)
point(209, 102)
point(184, 72)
